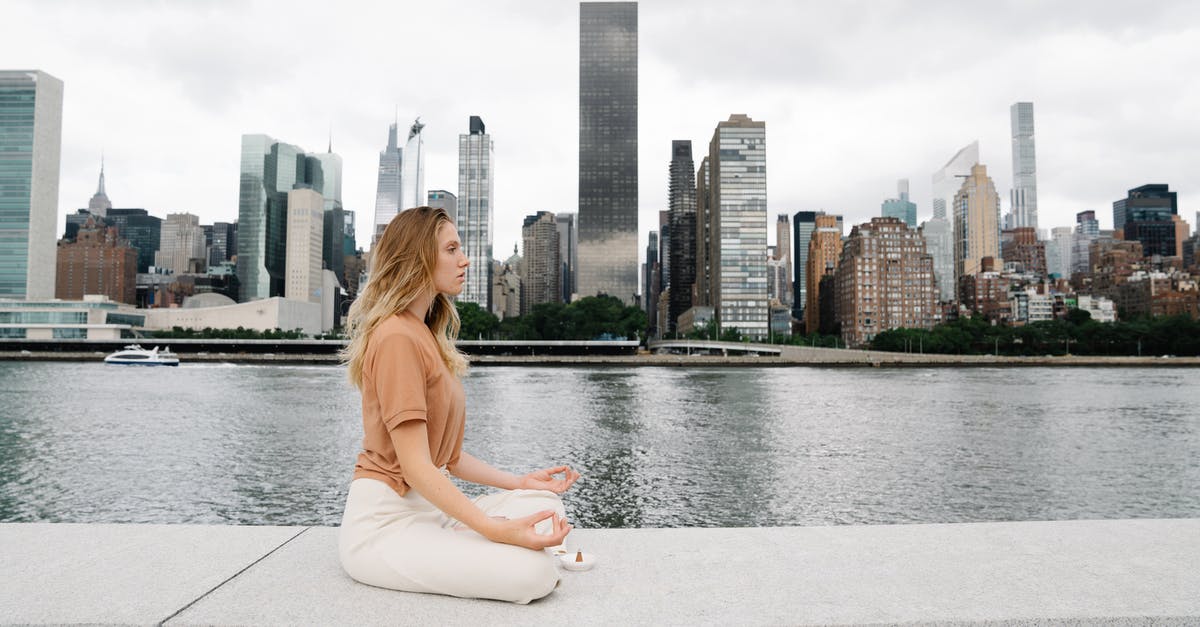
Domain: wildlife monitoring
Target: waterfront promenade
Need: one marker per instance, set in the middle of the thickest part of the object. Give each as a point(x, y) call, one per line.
point(1068, 572)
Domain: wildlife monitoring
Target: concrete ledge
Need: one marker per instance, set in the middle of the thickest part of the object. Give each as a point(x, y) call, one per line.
point(1085, 572)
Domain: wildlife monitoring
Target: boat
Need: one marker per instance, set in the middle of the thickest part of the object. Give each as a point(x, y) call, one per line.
point(135, 355)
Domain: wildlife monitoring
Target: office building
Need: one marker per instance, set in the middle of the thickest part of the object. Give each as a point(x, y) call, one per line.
point(1058, 251)
point(783, 254)
point(540, 281)
point(939, 243)
point(901, 207)
point(476, 211)
point(98, 261)
point(270, 169)
point(444, 200)
point(1150, 201)
point(224, 242)
point(182, 248)
point(387, 186)
point(824, 252)
point(976, 222)
point(948, 180)
point(568, 245)
point(31, 104)
point(1150, 215)
point(1024, 187)
point(144, 233)
point(1087, 228)
point(884, 280)
point(305, 228)
point(738, 211)
point(702, 287)
point(331, 191)
point(349, 242)
point(803, 224)
point(651, 284)
point(608, 150)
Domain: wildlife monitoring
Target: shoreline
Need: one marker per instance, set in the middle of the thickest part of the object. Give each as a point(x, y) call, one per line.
point(803, 357)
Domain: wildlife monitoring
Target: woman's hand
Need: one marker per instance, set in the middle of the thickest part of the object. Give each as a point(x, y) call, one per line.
point(521, 532)
point(545, 479)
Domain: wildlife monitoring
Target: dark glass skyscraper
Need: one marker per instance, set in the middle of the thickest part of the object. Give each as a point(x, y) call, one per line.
point(608, 158)
point(682, 250)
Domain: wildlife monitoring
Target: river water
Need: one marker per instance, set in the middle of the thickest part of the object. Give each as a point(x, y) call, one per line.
point(658, 447)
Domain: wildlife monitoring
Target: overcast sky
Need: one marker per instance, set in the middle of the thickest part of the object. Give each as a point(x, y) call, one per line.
point(855, 95)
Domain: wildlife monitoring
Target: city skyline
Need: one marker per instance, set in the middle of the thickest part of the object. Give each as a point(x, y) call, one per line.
point(848, 114)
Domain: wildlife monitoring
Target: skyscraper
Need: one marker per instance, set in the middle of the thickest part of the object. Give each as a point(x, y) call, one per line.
point(306, 223)
point(738, 200)
point(803, 224)
point(99, 203)
point(824, 251)
point(387, 187)
point(568, 244)
point(681, 203)
point(270, 169)
point(331, 191)
point(651, 285)
point(1087, 229)
point(144, 233)
point(1024, 189)
point(608, 156)
point(976, 223)
point(783, 253)
point(939, 243)
point(181, 249)
point(901, 208)
point(412, 180)
point(947, 181)
point(702, 288)
point(540, 283)
point(476, 189)
point(30, 143)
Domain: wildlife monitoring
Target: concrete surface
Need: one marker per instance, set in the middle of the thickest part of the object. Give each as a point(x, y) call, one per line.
point(1070, 572)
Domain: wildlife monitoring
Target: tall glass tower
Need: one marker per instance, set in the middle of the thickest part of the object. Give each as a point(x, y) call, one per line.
point(270, 169)
point(1024, 189)
point(948, 180)
point(608, 157)
point(387, 189)
point(738, 192)
point(475, 211)
point(30, 145)
point(412, 181)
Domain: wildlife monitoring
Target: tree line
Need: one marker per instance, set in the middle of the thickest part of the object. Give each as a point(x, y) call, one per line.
point(589, 318)
point(1077, 334)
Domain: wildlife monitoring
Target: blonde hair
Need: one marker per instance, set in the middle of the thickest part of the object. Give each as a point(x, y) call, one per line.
point(401, 270)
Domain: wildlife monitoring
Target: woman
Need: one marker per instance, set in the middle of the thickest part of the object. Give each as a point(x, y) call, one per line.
point(406, 525)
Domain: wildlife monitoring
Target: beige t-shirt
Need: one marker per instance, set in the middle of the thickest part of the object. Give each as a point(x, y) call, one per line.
point(404, 378)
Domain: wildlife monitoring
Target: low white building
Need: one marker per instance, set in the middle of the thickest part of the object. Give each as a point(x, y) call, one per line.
point(1101, 308)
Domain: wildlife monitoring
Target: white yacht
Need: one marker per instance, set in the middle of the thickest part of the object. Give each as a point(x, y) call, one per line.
point(134, 355)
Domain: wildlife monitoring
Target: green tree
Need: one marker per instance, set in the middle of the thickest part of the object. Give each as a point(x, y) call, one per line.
point(476, 322)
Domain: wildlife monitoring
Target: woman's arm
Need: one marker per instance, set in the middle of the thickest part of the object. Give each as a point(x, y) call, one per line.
point(411, 441)
point(475, 470)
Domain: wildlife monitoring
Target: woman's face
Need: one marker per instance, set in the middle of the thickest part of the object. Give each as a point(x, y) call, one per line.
point(451, 270)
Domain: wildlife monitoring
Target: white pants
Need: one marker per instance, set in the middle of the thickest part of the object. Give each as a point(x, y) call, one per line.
point(407, 543)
